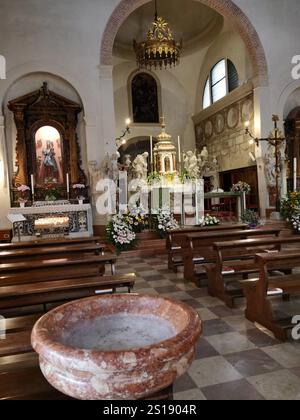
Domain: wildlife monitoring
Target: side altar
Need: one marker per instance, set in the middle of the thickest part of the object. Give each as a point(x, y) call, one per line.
point(50, 220)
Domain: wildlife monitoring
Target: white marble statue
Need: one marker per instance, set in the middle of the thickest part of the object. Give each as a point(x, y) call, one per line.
point(140, 166)
point(114, 166)
point(191, 163)
point(127, 161)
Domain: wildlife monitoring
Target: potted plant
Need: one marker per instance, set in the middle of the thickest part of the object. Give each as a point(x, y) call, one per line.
point(250, 218)
point(51, 193)
point(79, 188)
point(23, 191)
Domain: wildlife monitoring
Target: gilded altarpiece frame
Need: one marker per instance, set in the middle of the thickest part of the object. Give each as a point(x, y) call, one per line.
point(44, 108)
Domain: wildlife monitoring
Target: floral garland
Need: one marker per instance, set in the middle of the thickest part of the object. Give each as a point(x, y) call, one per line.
point(120, 234)
point(163, 221)
point(241, 187)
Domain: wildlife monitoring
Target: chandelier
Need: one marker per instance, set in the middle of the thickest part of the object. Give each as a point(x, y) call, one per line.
point(160, 49)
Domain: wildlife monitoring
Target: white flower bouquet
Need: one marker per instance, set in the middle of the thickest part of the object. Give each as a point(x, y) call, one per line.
point(209, 221)
point(241, 187)
point(120, 234)
point(164, 220)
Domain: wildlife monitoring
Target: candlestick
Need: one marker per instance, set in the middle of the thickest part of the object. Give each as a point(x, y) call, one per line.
point(32, 185)
point(68, 184)
point(151, 149)
point(295, 174)
point(179, 150)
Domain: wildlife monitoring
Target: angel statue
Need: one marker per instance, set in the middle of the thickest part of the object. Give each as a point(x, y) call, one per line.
point(191, 163)
point(140, 166)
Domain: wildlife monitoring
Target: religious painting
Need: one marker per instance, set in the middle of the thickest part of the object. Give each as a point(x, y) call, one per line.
point(144, 99)
point(49, 157)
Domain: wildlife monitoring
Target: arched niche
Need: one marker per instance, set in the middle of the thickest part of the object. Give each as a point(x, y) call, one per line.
point(45, 112)
point(144, 94)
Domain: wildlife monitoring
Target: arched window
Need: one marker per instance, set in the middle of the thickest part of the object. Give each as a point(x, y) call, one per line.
point(223, 78)
point(144, 94)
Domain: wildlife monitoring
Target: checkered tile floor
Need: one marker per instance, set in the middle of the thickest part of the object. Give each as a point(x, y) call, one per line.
point(235, 360)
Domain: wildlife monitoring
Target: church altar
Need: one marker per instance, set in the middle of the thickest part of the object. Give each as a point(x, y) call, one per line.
point(53, 220)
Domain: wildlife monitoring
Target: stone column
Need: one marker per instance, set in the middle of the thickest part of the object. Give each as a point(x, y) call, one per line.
point(108, 131)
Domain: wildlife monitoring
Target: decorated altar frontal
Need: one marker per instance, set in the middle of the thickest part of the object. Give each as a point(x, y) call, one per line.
point(51, 220)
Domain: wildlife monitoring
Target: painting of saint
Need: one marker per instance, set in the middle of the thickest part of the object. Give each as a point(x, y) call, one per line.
point(49, 168)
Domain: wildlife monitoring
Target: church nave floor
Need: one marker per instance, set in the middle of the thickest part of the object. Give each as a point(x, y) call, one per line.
point(235, 360)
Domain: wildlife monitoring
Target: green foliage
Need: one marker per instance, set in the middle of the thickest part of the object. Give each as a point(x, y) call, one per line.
point(250, 217)
point(290, 205)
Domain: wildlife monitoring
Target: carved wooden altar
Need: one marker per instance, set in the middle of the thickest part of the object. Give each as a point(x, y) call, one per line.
point(33, 112)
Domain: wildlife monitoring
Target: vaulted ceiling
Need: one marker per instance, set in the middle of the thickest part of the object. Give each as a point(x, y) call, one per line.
point(189, 20)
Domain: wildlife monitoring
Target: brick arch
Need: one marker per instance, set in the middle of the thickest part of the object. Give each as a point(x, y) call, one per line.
point(226, 8)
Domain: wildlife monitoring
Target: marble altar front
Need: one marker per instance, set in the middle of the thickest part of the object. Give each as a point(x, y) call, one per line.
point(77, 221)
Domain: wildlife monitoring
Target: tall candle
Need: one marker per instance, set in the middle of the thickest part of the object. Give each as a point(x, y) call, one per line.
point(179, 150)
point(68, 184)
point(32, 184)
point(151, 149)
point(295, 174)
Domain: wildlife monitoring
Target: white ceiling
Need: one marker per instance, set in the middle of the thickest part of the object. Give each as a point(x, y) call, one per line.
point(189, 20)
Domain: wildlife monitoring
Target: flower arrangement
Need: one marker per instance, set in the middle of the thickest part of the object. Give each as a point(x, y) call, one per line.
point(290, 205)
point(209, 221)
point(120, 234)
point(163, 221)
point(51, 193)
point(295, 220)
point(23, 193)
point(153, 178)
point(250, 218)
point(186, 176)
point(137, 218)
point(78, 188)
point(241, 187)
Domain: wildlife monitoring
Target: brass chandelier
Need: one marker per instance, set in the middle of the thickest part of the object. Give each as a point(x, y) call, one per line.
point(160, 49)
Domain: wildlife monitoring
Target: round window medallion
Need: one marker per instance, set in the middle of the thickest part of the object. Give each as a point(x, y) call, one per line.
point(233, 117)
point(247, 110)
point(220, 123)
point(208, 129)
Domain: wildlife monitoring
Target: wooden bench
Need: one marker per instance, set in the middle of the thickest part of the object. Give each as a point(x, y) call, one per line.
point(50, 242)
point(60, 251)
point(199, 250)
point(61, 290)
point(259, 307)
point(237, 258)
point(176, 241)
point(55, 269)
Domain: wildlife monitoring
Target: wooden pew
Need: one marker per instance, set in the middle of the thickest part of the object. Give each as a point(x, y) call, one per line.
point(199, 247)
point(49, 252)
point(176, 239)
point(30, 294)
point(50, 242)
point(55, 269)
point(259, 307)
point(237, 258)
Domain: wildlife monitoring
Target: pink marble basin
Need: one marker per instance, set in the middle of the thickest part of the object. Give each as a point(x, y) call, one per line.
point(116, 346)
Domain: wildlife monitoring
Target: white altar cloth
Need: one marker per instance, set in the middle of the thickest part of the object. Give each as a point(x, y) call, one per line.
point(81, 220)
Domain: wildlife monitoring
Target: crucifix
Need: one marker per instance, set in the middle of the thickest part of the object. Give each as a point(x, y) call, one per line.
point(276, 139)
